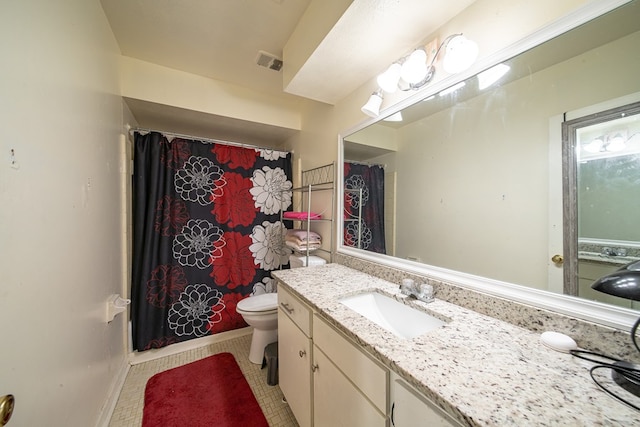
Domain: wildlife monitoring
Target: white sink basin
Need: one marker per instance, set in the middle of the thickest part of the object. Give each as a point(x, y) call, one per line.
point(392, 315)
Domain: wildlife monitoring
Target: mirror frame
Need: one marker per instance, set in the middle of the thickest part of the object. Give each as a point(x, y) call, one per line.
point(592, 311)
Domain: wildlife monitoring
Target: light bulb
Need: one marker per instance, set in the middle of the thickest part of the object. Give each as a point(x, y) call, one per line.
point(396, 117)
point(594, 146)
point(388, 81)
point(414, 68)
point(460, 54)
point(616, 143)
point(372, 107)
point(492, 75)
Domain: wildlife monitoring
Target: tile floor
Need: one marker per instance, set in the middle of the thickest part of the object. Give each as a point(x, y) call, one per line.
point(128, 410)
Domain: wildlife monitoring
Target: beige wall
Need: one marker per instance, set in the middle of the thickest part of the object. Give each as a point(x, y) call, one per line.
point(150, 82)
point(60, 211)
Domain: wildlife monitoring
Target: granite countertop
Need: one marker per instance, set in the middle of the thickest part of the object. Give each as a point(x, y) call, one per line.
point(599, 258)
point(483, 371)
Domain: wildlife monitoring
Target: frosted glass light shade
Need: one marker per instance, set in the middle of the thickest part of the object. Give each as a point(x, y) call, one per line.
point(388, 81)
point(372, 107)
point(616, 143)
point(492, 75)
point(594, 146)
point(396, 117)
point(460, 54)
point(414, 68)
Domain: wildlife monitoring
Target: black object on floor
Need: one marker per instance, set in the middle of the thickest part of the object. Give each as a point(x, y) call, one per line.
point(271, 361)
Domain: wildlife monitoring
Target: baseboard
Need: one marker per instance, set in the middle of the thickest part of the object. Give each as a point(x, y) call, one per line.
point(145, 356)
point(114, 393)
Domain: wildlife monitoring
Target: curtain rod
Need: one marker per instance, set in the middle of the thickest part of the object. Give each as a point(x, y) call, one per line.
point(208, 140)
point(382, 165)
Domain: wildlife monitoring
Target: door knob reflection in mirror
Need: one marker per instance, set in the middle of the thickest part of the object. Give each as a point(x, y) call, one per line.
point(557, 259)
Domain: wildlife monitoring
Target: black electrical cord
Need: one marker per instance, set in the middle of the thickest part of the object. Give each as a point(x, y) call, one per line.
point(629, 370)
point(621, 370)
point(597, 357)
point(633, 333)
point(635, 373)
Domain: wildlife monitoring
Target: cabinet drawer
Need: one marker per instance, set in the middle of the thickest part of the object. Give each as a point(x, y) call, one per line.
point(295, 309)
point(371, 378)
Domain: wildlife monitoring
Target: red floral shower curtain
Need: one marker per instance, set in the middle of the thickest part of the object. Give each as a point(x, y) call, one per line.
point(207, 233)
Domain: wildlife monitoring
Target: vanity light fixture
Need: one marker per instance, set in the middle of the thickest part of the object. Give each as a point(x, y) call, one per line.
point(395, 117)
point(492, 75)
point(610, 143)
point(412, 71)
point(623, 283)
point(460, 54)
point(388, 81)
point(616, 143)
point(372, 107)
point(595, 146)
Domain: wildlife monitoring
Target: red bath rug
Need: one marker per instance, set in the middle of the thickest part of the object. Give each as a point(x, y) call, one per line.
point(206, 393)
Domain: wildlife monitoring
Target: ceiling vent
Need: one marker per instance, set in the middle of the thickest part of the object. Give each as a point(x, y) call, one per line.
point(268, 60)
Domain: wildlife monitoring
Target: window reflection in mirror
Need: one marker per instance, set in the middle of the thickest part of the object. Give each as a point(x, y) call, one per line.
point(473, 178)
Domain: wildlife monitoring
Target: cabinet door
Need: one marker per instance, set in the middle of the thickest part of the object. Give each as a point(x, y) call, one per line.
point(336, 401)
point(294, 366)
point(409, 408)
point(367, 376)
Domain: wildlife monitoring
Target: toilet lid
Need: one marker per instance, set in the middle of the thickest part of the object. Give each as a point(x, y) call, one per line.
point(264, 302)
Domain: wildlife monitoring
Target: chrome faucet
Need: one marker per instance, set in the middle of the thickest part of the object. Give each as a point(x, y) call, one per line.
point(614, 252)
point(422, 292)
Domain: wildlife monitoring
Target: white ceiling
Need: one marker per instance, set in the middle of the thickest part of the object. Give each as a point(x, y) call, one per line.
point(221, 40)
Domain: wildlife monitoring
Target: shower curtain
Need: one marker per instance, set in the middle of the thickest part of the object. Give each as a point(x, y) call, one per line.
point(364, 187)
point(206, 234)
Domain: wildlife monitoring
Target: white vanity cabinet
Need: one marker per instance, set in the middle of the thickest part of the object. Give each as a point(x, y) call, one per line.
point(410, 408)
point(294, 355)
point(330, 381)
point(325, 378)
point(349, 387)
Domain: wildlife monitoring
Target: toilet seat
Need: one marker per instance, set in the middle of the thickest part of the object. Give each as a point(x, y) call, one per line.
point(261, 313)
point(259, 303)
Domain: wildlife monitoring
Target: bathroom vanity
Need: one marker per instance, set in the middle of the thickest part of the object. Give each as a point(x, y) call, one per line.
point(338, 367)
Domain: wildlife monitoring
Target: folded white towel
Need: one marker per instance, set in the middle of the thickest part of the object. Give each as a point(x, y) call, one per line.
point(303, 235)
point(303, 248)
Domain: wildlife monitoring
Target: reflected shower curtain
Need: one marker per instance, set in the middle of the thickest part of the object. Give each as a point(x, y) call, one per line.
point(206, 234)
point(364, 188)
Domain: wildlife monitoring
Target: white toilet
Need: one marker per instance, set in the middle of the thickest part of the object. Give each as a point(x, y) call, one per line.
point(261, 312)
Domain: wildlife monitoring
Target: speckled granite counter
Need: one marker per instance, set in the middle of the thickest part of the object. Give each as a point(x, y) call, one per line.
point(616, 261)
point(483, 371)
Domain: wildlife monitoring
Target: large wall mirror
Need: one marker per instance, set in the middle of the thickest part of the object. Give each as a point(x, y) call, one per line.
point(469, 184)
